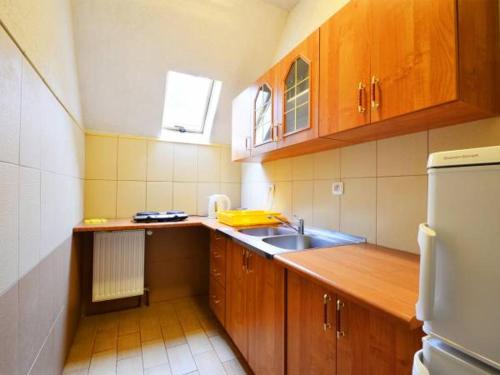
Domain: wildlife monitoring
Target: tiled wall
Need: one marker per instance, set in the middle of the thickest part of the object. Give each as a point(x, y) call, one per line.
point(385, 183)
point(125, 175)
point(41, 198)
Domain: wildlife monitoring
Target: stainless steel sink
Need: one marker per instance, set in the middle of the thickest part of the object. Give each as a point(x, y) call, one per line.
point(298, 242)
point(266, 231)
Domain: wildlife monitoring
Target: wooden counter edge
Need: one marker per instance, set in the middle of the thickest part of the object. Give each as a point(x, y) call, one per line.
point(411, 321)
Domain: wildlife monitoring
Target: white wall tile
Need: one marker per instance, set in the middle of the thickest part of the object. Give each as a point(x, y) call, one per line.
point(9, 225)
point(326, 206)
point(160, 161)
point(159, 196)
point(185, 197)
point(130, 198)
point(282, 201)
point(302, 168)
point(256, 196)
point(29, 219)
point(101, 155)
point(480, 133)
point(209, 164)
point(205, 189)
point(132, 159)
point(256, 172)
point(100, 199)
point(358, 208)
point(404, 155)
point(230, 171)
point(10, 99)
point(401, 207)
point(282, 170)
point(326, 165)
point(233, 191)
point(185, 162)
point(302, 200)
point(359, 160)
point(35, 98)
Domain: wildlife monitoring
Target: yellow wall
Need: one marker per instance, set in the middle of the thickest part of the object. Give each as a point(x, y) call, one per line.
point(126, 174)
point(385, 183)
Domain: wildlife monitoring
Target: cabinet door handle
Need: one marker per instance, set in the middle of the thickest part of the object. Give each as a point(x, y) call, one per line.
point(340, 306)
point(361, 92)
point(249, 255)
point(326, 321)
point(244, 260)
point(374, 86)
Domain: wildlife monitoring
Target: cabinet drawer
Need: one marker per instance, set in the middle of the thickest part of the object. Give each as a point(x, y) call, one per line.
point(217, 300)
point(218, 265)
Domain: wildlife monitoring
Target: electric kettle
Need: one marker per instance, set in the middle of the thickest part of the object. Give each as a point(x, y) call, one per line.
point(218, 202)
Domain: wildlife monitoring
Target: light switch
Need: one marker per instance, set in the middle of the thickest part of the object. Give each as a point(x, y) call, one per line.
point(338, 188)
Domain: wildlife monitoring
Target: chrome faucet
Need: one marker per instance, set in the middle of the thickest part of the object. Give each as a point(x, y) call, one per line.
point(300, 227)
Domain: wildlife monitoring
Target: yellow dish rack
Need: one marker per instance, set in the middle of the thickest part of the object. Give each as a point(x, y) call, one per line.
point(247, 218)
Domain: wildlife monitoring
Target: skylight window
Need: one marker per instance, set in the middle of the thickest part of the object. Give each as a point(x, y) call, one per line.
point(190, 104)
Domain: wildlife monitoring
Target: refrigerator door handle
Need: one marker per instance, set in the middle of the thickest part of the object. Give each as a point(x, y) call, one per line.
point(418, 364)
point(425, 301)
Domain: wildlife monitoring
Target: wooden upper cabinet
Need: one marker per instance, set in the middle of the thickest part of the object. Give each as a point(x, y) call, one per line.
point(413, 56)
point(344, 101)
point(242, 123)
point(311, 328)
point(265, 112)
point(298, 93)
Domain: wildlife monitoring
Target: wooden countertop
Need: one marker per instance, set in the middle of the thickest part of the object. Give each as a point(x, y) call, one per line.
point(128, 224)
point(379, 277)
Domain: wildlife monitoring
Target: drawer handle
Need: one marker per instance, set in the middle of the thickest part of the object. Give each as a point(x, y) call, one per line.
point(216, 255)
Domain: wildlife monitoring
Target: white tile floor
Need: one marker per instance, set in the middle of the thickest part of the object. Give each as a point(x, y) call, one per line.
point(168, 338)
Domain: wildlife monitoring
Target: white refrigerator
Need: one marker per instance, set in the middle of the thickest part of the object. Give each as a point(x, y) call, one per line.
point(459, 296)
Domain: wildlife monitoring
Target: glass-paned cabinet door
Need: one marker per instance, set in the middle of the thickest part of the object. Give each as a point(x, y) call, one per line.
point(297, 83)
point(263, 116)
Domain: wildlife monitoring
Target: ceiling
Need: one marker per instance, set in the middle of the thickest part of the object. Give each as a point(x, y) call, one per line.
point(125, 48)
point(285, 4)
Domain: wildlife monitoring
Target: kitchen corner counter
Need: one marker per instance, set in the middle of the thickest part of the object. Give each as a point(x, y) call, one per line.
point(128, 224)
point(373, 275)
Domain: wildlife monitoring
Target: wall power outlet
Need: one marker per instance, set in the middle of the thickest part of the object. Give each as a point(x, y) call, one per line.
point(338, 188)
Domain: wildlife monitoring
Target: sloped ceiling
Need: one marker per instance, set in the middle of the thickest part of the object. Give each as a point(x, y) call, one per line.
point(125, 47)
point(285, 4)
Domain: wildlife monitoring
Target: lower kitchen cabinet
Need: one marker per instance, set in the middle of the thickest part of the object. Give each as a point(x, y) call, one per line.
point(311, 328)
point(328, 334)
point(255, 309)
point(217, 281)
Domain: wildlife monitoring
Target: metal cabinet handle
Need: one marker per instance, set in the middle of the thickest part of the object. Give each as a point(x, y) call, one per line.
point(361, 92)
point(374, 85)
point(326, 322)
point(244, 260)
point(340, 333)
point(249, 255)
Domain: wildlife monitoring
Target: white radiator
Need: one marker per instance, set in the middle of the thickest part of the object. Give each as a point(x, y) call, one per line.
point(118, 265)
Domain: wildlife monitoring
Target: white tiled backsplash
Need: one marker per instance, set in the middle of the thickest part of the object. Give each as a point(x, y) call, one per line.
point(385, 183)
point(125, 175)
